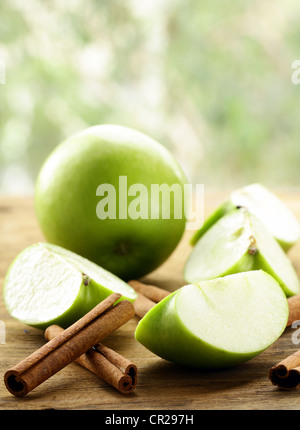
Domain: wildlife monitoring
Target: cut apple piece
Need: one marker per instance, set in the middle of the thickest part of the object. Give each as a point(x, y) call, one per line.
point(47, 284)
point(239, 242)
point(266, 206)
point(217, 323)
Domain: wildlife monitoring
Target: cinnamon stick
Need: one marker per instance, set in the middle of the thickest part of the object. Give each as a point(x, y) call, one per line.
point(93, 327)
point(294, 309)
point(147, 296)
point(152, 292)
point(106, 363)
point(142, 305)
point(286, 374)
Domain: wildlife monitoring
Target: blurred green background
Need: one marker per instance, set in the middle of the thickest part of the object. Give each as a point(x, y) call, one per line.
point(209, 80)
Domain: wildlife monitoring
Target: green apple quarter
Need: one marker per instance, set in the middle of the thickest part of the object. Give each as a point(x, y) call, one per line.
point(266, 206)
point(240, 242)
point(218, 323)
point(46, 284)
point(132, 237)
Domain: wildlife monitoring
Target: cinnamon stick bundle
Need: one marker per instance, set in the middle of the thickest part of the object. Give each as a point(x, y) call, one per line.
point(77, 339)
point(152, 292)
point(106, 363)
point(286, 374)
point(147, 296)
point(142, 305)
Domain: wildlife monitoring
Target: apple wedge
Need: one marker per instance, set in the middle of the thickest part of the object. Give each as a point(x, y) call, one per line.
point(217, 323)
point(239, 242)
point(47, 284)
point(266, 206)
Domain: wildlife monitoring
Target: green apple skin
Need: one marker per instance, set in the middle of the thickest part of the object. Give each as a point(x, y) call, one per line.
point(163, 332)
point(89, 294)
point(66, 200)
point(247, 197)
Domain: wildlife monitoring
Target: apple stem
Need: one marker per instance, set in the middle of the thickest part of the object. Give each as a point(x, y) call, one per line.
point(86, 279)
point(252, 250)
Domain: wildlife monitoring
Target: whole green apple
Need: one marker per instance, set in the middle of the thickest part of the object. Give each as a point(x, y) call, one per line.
point(47, 284)
point(217, 323)
point(114, 196)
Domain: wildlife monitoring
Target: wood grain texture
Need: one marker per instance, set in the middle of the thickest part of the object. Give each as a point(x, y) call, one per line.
point(161, 385)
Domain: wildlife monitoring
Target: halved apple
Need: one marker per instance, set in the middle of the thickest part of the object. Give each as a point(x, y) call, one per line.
point(217, 323)
point(239, 242)
point(266, 206)
point(47, 284)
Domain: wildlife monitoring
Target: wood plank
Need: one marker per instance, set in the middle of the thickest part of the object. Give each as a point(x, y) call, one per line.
point(161, 385)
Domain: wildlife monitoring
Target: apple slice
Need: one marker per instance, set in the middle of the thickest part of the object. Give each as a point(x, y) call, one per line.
point(217, 323)
point(266, 206)
point(47, 284)
point(239, 242)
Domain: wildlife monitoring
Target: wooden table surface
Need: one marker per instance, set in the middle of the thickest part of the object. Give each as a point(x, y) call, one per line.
point(161, 385)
